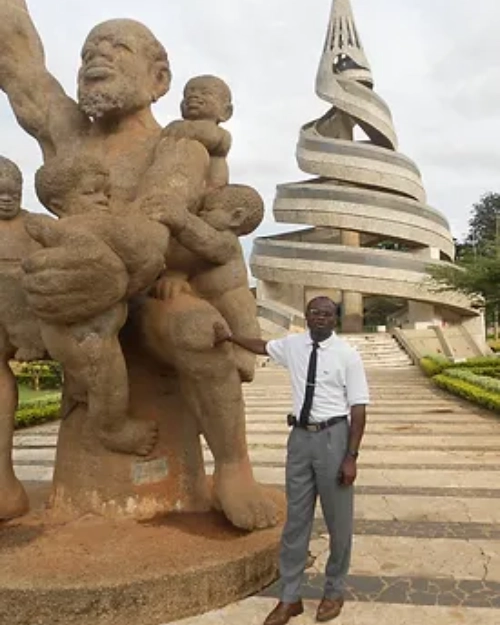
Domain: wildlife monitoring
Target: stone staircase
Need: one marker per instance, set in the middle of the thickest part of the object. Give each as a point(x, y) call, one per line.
point(380, 350)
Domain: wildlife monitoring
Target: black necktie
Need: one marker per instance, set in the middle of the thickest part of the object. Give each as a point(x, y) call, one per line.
point(305, 411)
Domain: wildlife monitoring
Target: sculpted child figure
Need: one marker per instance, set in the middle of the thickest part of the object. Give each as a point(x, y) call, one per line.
point(219, 273)
point(77, 189)
point(207, 103)
point(20, 337)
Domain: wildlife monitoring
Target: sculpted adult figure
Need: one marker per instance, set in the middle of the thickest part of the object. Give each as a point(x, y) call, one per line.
point(20, 337)
point(124, 69)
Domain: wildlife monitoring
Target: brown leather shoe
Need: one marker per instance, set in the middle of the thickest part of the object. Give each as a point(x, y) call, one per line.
point(329, 609)
point(283, 612)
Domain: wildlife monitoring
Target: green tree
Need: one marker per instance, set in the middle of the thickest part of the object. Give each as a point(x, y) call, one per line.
point(462, 249)
point(42, 374)
point(474, 275)
point(484, 224)
point(477, 272)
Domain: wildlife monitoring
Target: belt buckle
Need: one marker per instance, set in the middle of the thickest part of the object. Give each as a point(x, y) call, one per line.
point(312, 427)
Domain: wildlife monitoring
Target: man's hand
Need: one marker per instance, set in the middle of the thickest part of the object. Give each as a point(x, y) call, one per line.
point(74, 277)
point(348, 471)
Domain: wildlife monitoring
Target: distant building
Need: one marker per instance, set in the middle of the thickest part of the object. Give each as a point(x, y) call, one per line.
point(370, 235)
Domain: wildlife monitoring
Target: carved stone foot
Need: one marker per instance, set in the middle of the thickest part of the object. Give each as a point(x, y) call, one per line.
point(133, 437)
point(244, 502)
point(13, 500)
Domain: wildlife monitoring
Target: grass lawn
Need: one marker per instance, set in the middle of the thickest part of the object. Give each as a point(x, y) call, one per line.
point(27, 394)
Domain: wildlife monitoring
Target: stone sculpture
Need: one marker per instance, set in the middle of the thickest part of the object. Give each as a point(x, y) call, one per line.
point(218, 272)
point(19, 331)
point(77, 189)
point(207, 103)
point(177, 377)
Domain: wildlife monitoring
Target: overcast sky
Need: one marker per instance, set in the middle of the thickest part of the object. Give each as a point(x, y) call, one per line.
point(435, 62)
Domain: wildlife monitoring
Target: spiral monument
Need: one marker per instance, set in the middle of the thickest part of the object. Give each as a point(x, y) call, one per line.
point(371, 232)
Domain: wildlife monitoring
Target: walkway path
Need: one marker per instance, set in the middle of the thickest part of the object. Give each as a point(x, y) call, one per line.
point(427, 538)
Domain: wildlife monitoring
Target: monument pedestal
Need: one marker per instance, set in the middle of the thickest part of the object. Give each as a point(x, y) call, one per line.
point(104, 572)
point(91, 479)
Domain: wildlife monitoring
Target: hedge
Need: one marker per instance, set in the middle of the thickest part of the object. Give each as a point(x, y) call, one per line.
point(490, 372)
point(433, 365)
point(469, 391)
point(485, 382)
point(494, 345)
point(32, 413)
point(482, 361)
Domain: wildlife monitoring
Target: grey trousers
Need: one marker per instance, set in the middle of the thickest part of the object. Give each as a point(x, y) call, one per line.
point(312, 468)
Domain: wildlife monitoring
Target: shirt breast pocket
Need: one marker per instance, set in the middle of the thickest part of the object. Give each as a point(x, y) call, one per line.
point(329, 376)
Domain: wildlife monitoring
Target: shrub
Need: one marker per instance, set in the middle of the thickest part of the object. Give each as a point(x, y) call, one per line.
point(482, 361)
point(494, 345)
point(490, 372)
point(468, 375)
point(432, 365)
point(469, 391)
point(32, 413)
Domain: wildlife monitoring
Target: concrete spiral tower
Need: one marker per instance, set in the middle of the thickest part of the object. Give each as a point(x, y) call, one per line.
point(371, 233)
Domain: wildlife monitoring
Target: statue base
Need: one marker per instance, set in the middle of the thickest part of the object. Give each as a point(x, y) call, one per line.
point(103, 572)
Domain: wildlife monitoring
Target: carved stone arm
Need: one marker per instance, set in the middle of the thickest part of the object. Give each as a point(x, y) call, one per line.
point(39, 102)
point(211, 244)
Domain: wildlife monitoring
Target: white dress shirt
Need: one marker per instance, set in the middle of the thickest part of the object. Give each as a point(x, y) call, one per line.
point(340, 374)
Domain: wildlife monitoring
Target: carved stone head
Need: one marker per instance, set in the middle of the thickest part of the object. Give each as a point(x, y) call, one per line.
point(235, 207)
point(73, 185)
point(11, 189)
point(208, 98)
point(124, 69)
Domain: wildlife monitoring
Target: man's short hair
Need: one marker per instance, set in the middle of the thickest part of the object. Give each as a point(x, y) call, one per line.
point(321, 298)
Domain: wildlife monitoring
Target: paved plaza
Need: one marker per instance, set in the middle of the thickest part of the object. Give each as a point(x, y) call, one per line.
point(427, 536)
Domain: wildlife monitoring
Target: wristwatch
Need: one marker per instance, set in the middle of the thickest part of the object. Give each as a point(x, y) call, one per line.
point(353, 454)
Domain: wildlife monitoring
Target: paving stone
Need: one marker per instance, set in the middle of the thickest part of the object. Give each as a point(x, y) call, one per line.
point(405, 590)
point(253, 611)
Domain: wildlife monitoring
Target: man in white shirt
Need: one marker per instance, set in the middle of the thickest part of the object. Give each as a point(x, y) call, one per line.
point(330, 394)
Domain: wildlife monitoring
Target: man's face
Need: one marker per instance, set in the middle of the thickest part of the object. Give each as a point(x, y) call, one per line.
point(203, 99)
point(10, 197)
point(116, 74)
point(92, 194)
point(321, 316)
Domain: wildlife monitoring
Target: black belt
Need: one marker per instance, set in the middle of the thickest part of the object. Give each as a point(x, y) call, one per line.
point(317, 427)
